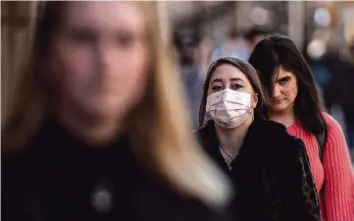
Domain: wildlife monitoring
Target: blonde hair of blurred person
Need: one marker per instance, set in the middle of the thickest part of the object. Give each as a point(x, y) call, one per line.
point(148, 106)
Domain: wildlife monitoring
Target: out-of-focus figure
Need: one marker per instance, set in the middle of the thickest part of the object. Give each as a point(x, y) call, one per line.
point(191, 64)
point(269, 168)
point(348, 103)
point(323, 60)
point(204, 57)
point(235, 46)
point(342, 89)
point(293, 101)
point(255, 35)
point(98, 130)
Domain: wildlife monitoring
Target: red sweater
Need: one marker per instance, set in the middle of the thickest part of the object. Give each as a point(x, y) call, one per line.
point(336, 176)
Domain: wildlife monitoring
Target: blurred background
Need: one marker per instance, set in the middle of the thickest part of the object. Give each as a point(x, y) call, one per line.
point(205, 30)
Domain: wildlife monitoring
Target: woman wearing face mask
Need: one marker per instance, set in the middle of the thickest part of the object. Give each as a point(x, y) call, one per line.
point(268, 167)
point(90, 135)
point(292, 100)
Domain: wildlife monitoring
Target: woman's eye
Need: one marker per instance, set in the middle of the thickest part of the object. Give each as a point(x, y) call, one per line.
point(216, 88)
point(82, 37)
point(236, 86)
point(125, 40)
point(283, 81)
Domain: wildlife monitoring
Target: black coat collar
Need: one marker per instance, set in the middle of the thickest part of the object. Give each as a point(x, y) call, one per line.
point(264, 138)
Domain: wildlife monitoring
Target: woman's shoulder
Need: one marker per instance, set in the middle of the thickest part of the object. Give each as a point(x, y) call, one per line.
point(334, 133)
point(278, 132)
point(335, 137)
point(24, 156)
point(279, 139)
point(278, 150)
point(330, 121)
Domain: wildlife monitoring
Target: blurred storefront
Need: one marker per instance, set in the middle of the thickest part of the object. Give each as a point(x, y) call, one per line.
point(214, 20)
point(208, 19)
point(331, 23)
point(297, 19)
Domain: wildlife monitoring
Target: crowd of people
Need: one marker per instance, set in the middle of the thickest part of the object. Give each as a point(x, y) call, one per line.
point(99, 127)
point(332, 72)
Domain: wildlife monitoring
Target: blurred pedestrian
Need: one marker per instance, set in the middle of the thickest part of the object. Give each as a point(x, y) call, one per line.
point(342, 89)
point(348, 103)
point(97, 131)
point(269, 168)
point(235, 46)
point(254, 35)
point(188, 46)
point(292, 100)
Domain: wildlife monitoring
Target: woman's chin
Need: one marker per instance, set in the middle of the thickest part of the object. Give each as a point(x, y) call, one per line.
point(279, 108)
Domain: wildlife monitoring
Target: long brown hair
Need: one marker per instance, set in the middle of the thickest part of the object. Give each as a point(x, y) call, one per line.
point(246, 69)
point(161, 130)
point(277, 50)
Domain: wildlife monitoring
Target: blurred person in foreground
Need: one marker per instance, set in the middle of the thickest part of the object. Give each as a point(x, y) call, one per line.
point(292, 100)
point(269, 168)
point(98, 129)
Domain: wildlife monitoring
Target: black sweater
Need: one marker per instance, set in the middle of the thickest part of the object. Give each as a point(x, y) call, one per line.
point(56, 177)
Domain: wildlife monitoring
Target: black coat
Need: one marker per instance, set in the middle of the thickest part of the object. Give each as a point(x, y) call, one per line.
point(271, 174)
point(58, 178)
point(342, 89)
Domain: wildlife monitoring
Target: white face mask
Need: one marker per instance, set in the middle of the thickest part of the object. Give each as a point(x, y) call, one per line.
point(229, 108)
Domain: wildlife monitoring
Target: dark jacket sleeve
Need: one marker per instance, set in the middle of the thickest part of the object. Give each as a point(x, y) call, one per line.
point(299, 190)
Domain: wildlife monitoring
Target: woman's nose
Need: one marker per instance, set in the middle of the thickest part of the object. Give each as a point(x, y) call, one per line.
point(276, 91)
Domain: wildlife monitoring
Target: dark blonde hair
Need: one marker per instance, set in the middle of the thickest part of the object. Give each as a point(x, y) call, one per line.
point(160, 129)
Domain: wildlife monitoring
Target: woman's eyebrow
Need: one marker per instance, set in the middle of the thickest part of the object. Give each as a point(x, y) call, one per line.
point(237, 79)
point(283, 77)
point(215, 80)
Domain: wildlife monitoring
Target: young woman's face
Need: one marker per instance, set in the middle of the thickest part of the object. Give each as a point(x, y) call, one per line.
point(99, 57)
point(284, 92)
point(227, 76)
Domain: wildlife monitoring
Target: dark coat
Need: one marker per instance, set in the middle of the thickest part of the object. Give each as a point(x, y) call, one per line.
point(342, 89)
point(58, 178)
point(271, 174)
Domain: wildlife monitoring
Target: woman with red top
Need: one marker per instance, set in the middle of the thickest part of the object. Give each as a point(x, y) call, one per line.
point(292, 100)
